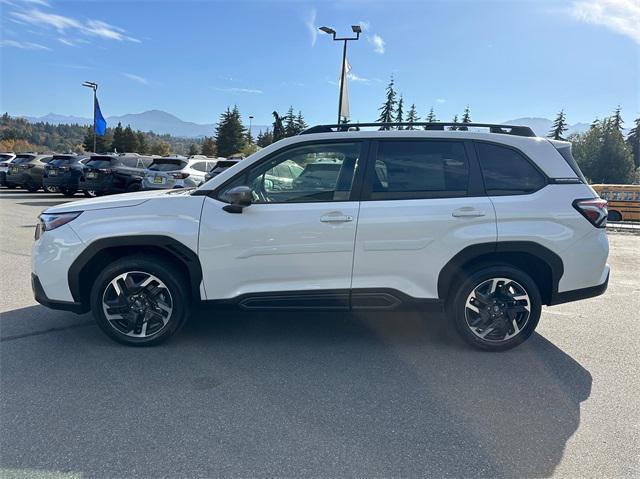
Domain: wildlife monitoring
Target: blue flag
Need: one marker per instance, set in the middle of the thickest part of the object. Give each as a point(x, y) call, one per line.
point(101, 123)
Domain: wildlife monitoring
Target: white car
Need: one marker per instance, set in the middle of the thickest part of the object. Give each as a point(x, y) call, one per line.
point(177, 172)
point(485, 225)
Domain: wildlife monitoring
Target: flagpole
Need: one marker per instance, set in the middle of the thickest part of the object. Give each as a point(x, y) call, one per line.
point(95, 135)
point(342, 80)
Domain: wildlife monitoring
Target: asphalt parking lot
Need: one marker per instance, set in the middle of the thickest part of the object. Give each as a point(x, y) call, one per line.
point(315, 395)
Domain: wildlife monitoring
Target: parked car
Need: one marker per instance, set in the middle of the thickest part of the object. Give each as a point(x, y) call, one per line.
point(5, 161)
point(177, 172)
point(221, 165)
point(27, 169)
point(485, 225)
point(105, 174)
point(64, 172)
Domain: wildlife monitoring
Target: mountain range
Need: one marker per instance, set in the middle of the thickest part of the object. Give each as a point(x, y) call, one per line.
point(162, 123)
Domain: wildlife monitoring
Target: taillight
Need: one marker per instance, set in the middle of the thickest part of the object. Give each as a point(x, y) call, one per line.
point(180, 176)
point(594, 209)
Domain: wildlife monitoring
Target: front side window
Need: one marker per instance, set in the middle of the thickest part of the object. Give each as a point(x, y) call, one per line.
point(311, 173)
point(420, 169)
point(506, 171)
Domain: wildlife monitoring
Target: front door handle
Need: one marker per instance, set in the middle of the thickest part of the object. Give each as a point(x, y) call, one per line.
point(467, 212)
point(336, 218)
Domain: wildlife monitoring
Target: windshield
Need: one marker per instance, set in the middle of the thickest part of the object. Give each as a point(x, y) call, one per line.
point(104, 162)
point(5, 157)
point(62, 160)
point(167, 165)
point(22, 159)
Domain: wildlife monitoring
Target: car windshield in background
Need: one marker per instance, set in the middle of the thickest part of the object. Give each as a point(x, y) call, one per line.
point(22, 159)
point(99, 163)
point(5, 157)
point(167, 165)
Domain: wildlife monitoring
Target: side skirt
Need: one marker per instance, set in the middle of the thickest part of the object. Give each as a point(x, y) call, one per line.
point(365, 299)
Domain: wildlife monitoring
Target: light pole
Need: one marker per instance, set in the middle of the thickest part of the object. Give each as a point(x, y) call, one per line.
point(330, 31)
point(94, 87)
point(250, 121)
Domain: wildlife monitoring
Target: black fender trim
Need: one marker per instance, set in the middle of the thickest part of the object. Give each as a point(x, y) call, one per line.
point(578, 294)
point(173, 248)
point(454, 266)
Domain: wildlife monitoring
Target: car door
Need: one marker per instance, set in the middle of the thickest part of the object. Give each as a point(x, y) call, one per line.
point(297, 241)
point(422, 203)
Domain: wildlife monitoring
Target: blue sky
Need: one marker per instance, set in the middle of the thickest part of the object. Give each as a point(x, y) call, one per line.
point(506, 59)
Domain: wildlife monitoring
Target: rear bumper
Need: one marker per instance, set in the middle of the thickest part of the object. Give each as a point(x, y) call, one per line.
point(578, 294)
point(100, 185)
point(17, 179)
point(41, 297)
point(61, 182)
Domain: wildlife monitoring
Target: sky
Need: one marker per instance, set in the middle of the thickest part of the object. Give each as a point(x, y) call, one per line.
point(505, 59)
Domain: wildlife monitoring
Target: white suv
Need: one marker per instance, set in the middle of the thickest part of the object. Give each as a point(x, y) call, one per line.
point(485, 225)
point(177, 172)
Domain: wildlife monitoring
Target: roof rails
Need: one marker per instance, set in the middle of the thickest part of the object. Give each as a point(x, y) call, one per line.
point(517, 130)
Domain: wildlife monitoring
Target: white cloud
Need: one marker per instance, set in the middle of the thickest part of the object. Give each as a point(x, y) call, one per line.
point(23, 45)
point(621, 16)
point(440, 100)
point(356, 78)
point(136, 78)
point(240, 90)
point(377, 42)
point(311, 26)
point(365, 25)
point(62, 24)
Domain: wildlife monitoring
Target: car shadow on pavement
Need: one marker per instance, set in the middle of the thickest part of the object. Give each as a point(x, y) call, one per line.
point(287, 394)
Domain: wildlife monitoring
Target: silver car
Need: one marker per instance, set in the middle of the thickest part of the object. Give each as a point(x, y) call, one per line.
point(177, 172)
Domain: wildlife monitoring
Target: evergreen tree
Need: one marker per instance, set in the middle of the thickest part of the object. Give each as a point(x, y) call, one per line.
point(230, 134)
point(412, 117)
point(118, 139)
point(400, 112)
point(431, 117)
point(633, 140)
point(193, 149)
point(264, 139)
point(290, 123)
point(143, 146)
point(595, 124)
point(603, 155)
point(616, 119)
point(103, 143)
point(129, 140)
point(278, 127)
point(209, 147)
point(466, 118)
point(559, 127)
point(301, 125)
point(161, 148)
point(455, 120)
point(388, 107)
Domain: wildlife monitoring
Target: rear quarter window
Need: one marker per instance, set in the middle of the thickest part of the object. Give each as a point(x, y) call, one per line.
point(506, 171)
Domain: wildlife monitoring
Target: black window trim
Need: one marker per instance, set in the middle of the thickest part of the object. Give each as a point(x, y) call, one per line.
point(545, 177)
point(475, 186)
point(356, 185)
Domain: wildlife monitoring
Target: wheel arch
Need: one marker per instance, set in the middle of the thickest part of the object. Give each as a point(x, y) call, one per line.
point(543, 265)
point(104, 251)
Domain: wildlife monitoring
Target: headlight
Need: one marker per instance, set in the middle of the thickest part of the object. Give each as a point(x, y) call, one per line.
point(51, 221)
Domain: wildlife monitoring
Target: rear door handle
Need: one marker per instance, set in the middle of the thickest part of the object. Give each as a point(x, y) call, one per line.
point(336, 218)
point(467, 212)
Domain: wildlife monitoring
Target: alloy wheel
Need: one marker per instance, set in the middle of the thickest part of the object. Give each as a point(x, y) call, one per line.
point(137, 304)
point(497, 309)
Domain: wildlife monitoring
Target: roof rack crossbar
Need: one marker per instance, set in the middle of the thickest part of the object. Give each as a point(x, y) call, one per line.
point(517, 130)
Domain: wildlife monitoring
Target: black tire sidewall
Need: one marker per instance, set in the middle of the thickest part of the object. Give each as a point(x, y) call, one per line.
point(457, 306)
point(134, 186)
point(169, 275)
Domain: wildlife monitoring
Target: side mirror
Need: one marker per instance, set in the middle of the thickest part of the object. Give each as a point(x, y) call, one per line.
point(240, 197)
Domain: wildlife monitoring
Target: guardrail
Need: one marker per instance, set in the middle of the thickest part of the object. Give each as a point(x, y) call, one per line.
point(626, 227)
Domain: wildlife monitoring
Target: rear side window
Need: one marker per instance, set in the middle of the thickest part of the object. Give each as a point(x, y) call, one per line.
point(200, 166)
point(167, 165)
point(420, 169)
point(131, 162)
point(100, 163)
point(506, 171)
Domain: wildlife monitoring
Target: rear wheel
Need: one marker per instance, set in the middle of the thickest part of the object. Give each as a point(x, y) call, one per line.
point(90, 193)
point(140, 301)
point(496, 307)
point(32, 187)
point(68, 192)
point(135, 186)
point(614, 216)
point(51, 189)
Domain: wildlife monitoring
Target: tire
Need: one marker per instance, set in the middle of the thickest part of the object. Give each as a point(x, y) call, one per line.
point(614, 216)
point(68, 192)
point(32, 187)
point(129, 328)
point(11, 186)
point(473, 305)
point(135, 186)
point(89, 193)
point(51, 189)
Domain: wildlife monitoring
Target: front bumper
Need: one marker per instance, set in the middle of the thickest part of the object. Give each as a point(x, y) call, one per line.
point(41, 297)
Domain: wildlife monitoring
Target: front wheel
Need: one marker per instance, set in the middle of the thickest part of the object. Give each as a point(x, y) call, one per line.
point(51, 189)
point(140, 301)
point(68, 192)
point(496, 308)
point(32, 187)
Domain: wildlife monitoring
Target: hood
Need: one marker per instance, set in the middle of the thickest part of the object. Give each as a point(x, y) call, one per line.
point(111, 201)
